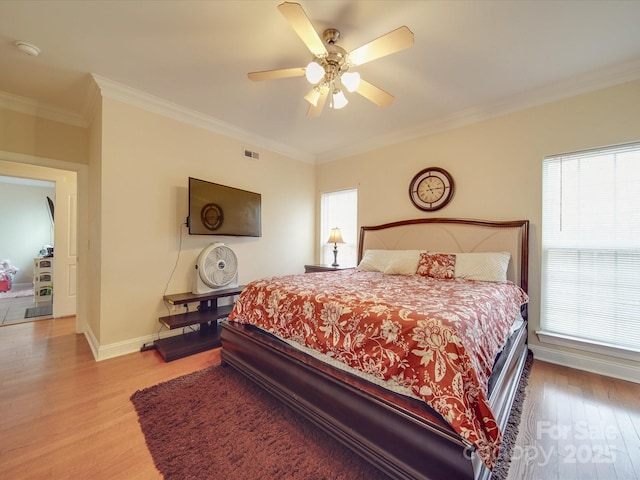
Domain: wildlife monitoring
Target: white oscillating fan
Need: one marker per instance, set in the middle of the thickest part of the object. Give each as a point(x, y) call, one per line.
point(217, 266)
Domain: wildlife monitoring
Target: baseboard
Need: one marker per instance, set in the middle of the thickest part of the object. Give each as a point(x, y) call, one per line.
point(112, 350)
point(589, 364)
point(92, 341)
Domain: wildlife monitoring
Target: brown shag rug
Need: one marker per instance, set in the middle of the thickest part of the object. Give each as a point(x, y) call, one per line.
point(216, 424)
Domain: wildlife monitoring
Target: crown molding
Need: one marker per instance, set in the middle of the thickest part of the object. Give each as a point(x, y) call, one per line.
point(151, 103)
point(578, 85)
point(32, 107)
point(91, 101)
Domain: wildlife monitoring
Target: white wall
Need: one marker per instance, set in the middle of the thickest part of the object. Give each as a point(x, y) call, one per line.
point(25, 225)
point(144, 163)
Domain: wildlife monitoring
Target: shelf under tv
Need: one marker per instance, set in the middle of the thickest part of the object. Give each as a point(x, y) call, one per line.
point(207, 316)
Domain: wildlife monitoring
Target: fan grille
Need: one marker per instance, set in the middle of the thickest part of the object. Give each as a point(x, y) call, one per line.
point(217, 265)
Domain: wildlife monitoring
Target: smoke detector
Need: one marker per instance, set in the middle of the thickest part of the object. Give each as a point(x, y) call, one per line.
point(27, 48)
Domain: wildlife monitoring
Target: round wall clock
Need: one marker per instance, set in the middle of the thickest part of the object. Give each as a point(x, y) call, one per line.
point(431, 189)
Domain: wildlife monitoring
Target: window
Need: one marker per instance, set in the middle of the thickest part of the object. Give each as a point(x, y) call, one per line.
point(591, 250)
point(339, 209)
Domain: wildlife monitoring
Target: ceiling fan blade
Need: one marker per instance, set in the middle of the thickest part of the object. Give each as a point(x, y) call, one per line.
point(389, 43)
point(315, 111)
point(276, 74)
point(299, 21)
point(374, 94)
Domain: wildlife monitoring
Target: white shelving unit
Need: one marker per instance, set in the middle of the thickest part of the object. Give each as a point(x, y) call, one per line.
point(43, 280)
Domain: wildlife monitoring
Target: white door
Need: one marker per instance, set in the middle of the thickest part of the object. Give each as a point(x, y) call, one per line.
point(65, 246)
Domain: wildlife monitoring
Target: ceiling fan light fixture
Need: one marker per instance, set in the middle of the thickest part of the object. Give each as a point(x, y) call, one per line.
point(350, 80)
point(338, 100)
point(313, 96)
point(314, 72)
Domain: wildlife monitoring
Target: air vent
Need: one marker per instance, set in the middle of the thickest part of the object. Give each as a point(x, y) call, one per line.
point(249, 154)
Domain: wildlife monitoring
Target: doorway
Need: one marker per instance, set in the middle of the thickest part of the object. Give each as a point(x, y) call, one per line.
point(27, 234)
point(54, 287)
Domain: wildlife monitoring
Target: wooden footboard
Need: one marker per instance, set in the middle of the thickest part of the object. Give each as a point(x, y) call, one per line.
point(400, 436)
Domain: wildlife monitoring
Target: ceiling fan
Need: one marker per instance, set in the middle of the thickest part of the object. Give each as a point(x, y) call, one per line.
point(328, 72)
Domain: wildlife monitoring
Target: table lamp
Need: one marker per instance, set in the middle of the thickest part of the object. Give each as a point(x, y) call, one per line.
point(335, 237)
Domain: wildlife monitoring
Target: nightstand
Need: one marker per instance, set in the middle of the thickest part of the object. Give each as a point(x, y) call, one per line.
point(323, 268)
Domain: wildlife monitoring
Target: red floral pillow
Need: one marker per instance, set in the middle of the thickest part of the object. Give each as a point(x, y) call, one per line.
point(437, 265)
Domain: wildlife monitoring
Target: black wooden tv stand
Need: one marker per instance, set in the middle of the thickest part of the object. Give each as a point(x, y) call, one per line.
point(207, 315)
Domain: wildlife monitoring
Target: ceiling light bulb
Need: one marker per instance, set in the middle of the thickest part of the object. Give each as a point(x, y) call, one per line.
point(339, 100)
point(313, 96)
point(351, 80)
point(314, 72)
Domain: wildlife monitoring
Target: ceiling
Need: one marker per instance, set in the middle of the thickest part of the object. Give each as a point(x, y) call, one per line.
point(470, 60)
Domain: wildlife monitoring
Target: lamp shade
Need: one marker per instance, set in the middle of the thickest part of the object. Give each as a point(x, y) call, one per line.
point(313, 96)
point(335, 236)
point(314, 72)
point(351, 80)
point(339, 100)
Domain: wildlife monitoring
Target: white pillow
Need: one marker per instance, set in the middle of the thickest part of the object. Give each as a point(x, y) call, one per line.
point(402, 266)
point(485, 266)
point(395, 262)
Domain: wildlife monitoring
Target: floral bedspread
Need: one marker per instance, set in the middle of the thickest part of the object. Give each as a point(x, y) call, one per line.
point(437, 337)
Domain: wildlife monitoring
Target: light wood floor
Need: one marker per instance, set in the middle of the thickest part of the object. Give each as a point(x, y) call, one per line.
point(65, 416)
point(577, 425)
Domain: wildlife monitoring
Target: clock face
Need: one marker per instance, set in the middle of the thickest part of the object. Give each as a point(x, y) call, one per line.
point(431, 189)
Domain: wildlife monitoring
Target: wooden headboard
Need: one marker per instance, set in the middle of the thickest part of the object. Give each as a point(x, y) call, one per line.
point(452, 235)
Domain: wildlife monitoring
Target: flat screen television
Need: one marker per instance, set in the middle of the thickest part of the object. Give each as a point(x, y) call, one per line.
point(216, 209)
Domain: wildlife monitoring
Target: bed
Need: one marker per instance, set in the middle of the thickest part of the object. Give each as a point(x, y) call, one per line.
point(400, 434)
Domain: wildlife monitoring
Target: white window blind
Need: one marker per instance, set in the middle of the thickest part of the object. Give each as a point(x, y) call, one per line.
point(339, 209)
point(591, 246)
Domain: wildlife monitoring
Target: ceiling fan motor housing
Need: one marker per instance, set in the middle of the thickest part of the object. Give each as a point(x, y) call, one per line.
point(330, 36)
point(334, 63)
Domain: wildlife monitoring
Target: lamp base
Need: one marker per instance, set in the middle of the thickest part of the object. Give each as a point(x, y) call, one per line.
point(335, 255)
